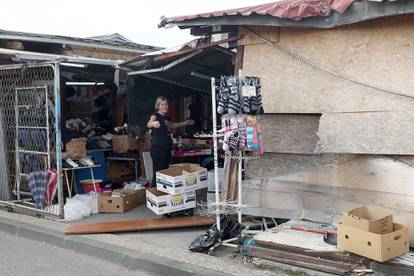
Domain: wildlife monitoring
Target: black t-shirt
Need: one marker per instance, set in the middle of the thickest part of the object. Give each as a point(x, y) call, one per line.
point(162, 136)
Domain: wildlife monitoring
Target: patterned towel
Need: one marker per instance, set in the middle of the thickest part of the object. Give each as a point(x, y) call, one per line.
point(37, 183)
point(51, 187)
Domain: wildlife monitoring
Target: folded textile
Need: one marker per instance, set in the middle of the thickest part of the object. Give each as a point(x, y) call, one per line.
point(37, 183)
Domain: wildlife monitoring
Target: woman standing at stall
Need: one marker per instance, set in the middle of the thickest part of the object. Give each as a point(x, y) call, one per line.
point(161, 144)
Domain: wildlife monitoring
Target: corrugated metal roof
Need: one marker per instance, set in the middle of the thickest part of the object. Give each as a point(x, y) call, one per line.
point(291, 9)
point(168, 54)
point(90, 42)
point(296, 13)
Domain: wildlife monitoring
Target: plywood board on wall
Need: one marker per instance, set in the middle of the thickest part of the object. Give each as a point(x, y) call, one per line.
point(290, 133)
point(333, 189)
point(359, 51)
point(367, 133)
point(276, 164)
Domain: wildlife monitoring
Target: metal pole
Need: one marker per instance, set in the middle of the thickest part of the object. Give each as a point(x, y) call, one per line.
point(56, 87)
point(239, 186)
point(216, 178)
point(17, 156)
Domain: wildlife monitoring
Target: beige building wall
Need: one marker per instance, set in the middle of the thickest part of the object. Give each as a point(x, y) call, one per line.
point(378, 52)
point(329, 140)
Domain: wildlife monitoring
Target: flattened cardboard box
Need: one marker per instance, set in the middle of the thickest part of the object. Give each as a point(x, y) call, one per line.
point(120, 204)
point(369, 218)
point(182, 179)
point(379, 247)
point(163, 203)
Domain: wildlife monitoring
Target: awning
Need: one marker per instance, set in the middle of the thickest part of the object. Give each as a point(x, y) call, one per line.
point(188, 65)
point(19, 55)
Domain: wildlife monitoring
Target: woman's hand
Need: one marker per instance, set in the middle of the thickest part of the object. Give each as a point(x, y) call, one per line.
point(189, 122)
point(155, 124)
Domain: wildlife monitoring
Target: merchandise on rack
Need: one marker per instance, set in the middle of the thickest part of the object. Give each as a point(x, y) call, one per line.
point(239, 96)
point(242, 132)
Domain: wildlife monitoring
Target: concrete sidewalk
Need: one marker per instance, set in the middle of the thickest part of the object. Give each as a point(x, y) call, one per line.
point(133, 253)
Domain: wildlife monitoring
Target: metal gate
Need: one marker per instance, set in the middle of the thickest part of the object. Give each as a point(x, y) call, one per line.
point(30, 151)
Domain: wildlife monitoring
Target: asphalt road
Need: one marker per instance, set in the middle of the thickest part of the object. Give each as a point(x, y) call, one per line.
point(21, 257)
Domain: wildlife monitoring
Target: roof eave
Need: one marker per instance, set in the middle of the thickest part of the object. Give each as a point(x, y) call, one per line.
point(19, 55)
point(357, 12)
point(75, 43)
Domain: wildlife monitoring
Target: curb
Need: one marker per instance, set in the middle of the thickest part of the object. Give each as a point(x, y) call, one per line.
point(132, 259)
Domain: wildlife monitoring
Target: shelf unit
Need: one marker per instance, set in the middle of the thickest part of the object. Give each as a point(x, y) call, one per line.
point(27, 98)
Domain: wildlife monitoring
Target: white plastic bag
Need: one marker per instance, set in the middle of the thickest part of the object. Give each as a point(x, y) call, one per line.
point(76, 209)
point(91, 199)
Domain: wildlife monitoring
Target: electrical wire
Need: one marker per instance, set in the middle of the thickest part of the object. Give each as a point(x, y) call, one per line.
point(309, 62)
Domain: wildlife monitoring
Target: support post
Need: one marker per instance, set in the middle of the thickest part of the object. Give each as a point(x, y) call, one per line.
point(239, 186)
point(216, 180)
point(56, 87)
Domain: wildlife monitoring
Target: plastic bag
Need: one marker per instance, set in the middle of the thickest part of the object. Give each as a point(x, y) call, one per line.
point(205, 241)
point(76, 209)
point(230, 228)
point(91, 199)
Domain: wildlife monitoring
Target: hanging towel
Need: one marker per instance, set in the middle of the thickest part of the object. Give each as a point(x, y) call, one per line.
point(51, 187)
point(37, 183)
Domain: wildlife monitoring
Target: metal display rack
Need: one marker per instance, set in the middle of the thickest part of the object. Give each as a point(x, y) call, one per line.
point(219, 206)
point(31, 98)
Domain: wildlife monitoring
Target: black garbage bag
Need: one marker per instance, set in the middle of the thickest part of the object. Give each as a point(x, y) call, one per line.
point(205, 241)
point(230, 228)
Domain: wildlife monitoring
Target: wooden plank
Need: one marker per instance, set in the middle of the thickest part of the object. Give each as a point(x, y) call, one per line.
point(389, 269)
point(138, 225)
point(334, 256)
point(300, 257)
point(238, 64)
point(232, 190)
point(288, 258)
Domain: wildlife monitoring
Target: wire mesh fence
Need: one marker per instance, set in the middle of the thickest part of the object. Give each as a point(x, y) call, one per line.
point(28, 137)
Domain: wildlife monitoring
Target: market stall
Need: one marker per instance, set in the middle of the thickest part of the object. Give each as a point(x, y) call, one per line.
point(122, 141)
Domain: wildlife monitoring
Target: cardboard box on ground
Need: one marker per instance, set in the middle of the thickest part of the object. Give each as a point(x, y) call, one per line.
point(371, 232)
point(120, 201)
point(182, 179)
point(178, 188)
point(162, 203)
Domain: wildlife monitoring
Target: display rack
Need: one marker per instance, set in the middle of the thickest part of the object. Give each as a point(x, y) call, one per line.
point(240, 157)
point(220, 207)
point(31, 98)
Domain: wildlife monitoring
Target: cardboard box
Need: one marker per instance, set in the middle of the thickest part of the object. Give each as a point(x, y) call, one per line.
point(182, 179)
point(163, 203)
point(379, 247)
point(369, 218)
point(76, 148)
point(120, 201)
point(120, 171)
point(124, 143)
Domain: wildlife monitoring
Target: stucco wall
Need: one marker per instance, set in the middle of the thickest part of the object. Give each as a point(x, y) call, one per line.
point(378, 52)
point(356, 123)
point(290, 133)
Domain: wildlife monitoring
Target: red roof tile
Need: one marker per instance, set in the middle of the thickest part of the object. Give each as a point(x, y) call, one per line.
point(290, 9)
